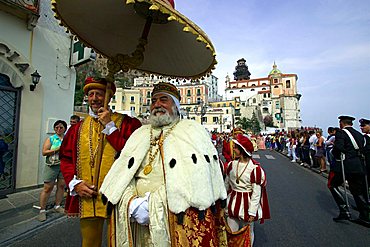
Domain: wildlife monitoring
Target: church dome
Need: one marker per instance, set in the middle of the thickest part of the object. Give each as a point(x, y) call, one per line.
point(274, 70)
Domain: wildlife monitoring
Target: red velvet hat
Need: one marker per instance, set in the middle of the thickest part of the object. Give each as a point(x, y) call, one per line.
point(237, 131)
point(98, 83)
point(245, 143)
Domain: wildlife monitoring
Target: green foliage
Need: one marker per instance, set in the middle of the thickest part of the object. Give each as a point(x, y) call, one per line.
point(243, 123)
point(251, 124)
point(123, 82)
point(83, 71)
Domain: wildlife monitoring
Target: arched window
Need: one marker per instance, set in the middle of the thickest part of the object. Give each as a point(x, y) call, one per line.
point(241, 91)
point(287, 83)
point(276, 86)
point(254, 101)
point(252, 89)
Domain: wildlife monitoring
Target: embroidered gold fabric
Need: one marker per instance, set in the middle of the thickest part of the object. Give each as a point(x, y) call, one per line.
point(90, 207)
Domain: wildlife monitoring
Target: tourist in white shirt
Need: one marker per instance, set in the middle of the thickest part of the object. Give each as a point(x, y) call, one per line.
point(313, 141)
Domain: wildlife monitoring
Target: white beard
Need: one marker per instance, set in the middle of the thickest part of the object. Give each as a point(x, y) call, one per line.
point(162, 119)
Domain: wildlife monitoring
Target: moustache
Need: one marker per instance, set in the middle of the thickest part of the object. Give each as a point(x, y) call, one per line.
point(159, 109)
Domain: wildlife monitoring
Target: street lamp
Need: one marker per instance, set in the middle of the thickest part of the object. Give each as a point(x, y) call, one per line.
point(35, 80)
point(201, 110)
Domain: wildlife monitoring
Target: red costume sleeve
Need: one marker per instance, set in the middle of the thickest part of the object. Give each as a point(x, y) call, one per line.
point(119, 137)
point(226, 152)
point(68, 153)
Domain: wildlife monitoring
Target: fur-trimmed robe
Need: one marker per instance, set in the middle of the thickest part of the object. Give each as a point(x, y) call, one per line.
point(193, 180)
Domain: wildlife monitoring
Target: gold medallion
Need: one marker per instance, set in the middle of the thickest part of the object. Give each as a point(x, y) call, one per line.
point(148, 169)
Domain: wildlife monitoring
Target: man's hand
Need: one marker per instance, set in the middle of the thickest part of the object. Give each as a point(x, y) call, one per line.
point(104, 116)
point(139, 209)
point(84, 189)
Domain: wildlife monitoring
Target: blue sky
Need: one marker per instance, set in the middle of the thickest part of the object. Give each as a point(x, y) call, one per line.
point(325, 42)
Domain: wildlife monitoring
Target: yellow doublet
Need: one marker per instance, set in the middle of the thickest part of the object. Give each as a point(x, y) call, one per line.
point(87, 155)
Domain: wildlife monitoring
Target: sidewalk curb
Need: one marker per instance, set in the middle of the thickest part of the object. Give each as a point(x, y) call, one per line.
point(324, 174)
point(31, 226)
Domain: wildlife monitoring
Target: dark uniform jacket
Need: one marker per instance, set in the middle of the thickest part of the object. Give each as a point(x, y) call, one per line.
point(367, 155)
point(353, 162)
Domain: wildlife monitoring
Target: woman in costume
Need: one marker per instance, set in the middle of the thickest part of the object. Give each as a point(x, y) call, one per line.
point(247, 199)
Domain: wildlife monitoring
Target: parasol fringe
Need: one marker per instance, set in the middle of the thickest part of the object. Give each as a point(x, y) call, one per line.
point(154, 7)
point(171, 18)
point(130, 1)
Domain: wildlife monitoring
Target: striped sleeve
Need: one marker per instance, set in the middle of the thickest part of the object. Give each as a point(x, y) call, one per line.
point(258, 176)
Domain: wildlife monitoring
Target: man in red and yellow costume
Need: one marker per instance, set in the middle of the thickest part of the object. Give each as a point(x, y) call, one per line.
point(79, 158)
point(168, 187)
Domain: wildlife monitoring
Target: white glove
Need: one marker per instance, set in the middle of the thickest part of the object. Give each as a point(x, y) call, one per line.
point(139, 210)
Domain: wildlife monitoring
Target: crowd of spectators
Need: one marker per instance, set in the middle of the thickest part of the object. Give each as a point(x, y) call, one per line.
point(309, 147)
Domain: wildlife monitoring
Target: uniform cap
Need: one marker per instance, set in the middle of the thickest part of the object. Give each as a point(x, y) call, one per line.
point(364, 121)
point(346, 118)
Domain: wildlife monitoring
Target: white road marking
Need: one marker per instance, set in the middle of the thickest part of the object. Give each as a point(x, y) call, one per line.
point(269, 157)
point(256, 156)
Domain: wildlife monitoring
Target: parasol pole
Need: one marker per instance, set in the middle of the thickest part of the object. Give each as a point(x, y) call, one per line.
point(115, 64)
point(101, 138)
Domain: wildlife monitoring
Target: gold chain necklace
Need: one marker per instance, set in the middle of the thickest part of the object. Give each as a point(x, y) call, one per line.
point(93, 153)
point(237, 171)
point(156, 143)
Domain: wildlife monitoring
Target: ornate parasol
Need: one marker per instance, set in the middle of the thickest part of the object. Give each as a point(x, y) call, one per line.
point(148, 35)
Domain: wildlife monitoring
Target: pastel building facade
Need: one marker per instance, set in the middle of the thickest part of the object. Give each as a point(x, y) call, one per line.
point(31, 40)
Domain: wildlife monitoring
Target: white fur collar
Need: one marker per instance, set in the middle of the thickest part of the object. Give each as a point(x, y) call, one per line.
point(188, 184)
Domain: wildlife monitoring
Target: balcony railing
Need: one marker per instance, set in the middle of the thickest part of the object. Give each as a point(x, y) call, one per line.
point(27, 10)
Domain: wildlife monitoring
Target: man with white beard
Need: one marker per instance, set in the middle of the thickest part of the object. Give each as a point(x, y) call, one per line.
point(167, 187)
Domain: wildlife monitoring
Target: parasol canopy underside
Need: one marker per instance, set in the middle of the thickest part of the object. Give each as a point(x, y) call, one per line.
point(113, 27)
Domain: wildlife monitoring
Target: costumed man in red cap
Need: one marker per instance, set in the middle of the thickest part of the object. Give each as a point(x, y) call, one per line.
point(79, 158)
point(227, 145)
point(247, 198)
point(168, 187)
